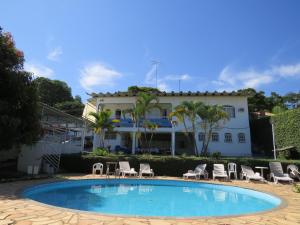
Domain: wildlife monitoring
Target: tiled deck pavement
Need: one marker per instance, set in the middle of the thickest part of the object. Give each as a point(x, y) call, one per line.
point(15, 210)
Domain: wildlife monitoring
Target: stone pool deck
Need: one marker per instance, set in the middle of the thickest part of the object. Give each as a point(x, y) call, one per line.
point(15, 210)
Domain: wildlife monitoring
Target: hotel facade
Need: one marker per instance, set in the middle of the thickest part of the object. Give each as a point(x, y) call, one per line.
point(231, 138)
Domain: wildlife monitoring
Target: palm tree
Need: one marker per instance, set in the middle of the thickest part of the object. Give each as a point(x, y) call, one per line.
point(145, 102)
point(212, 117)
point(102, 123)
point(189, 110)
point(152, 127)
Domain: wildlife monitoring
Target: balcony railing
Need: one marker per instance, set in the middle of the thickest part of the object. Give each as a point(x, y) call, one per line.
point(160, 122)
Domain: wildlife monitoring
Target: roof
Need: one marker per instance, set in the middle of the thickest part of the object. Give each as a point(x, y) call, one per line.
point(162, 94)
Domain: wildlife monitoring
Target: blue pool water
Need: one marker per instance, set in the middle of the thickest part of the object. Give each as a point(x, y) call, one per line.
point(152, 197)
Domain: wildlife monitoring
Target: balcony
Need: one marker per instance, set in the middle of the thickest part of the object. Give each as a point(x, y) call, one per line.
point(160, 122)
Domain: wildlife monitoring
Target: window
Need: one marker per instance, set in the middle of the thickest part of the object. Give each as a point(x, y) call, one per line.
point(215, 137)
point(201, 136)
point(241, 110)
point(118, 114)
point(230, 110)
point(241, 137)
point(228, 138)
point(164, 113)
point(110, 135)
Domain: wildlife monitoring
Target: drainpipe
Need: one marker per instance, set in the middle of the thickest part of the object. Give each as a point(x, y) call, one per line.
point(273, 135)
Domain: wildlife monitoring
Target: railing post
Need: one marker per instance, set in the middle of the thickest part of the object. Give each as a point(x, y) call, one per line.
point(173, 142)
point(133, 142)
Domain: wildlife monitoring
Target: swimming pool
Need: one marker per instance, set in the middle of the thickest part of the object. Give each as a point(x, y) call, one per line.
point(147, 197)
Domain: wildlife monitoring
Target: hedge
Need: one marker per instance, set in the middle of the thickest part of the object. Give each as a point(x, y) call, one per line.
point(162, 165)
point(287, 129)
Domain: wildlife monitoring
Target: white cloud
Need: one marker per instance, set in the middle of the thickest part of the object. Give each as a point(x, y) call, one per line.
point(55, 53)
point(287, 70)
point(230, 79)
point(178, 77)
point(162, 82)
point(98, 74)
point(39, 70)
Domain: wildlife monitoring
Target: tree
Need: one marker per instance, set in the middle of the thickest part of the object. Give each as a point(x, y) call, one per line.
point(278, 109)
point(145, 103)
point(19, 111)
point(102, 123)
point(292, 97)
point(188, 110)
point(137, 89)
point(274, 100)
point(211, 117)
point(52, 92)
point(256, 100)
point(74, 108)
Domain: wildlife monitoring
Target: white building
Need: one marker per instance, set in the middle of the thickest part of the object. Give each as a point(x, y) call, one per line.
point(232, 139)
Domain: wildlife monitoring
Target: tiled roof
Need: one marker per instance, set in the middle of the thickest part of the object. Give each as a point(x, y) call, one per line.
point(132, 94)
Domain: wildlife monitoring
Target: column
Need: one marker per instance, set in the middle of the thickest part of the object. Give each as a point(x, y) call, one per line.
point(173, 143)
point(133, 146)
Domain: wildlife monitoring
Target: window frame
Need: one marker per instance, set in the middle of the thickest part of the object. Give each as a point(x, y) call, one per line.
point(202, 135)
point(227, 140)
point(241, 140)
point(216, 135)
point(230, 110)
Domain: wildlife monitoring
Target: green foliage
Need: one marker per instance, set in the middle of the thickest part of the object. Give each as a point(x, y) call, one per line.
point(74, 108)
point(211, 116)
point(216, 155)
point(296, 188)
point(278, 109)
point(52, 92)
point(292, 97)
point(102, 123)
point(19, 113)
point(162, 165)
point(257, 101)
point(58, 94)
point(137, 89)
point(287, 129)
point(100, 152)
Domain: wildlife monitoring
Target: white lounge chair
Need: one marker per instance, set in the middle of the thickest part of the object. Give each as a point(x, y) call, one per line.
point(219, 172)
point(126, 170)
point(197, 173)
point(277, 173)
point(293, 171)
point(249, 174)
point(98, 167)
point(145, 169)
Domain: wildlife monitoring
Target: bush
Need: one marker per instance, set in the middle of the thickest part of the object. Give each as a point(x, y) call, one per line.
point(289, 153)
point(162, 165)
point(100, 152)
point(216, 155)
point(296, 188)
point(287, 129)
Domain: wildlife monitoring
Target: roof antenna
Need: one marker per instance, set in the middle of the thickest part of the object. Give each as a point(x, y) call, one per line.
point(155, 63)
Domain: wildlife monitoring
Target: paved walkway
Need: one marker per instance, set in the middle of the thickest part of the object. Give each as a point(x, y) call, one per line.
point(15, 210)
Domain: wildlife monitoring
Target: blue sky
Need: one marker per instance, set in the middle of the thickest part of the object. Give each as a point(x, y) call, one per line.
point(99, 46)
